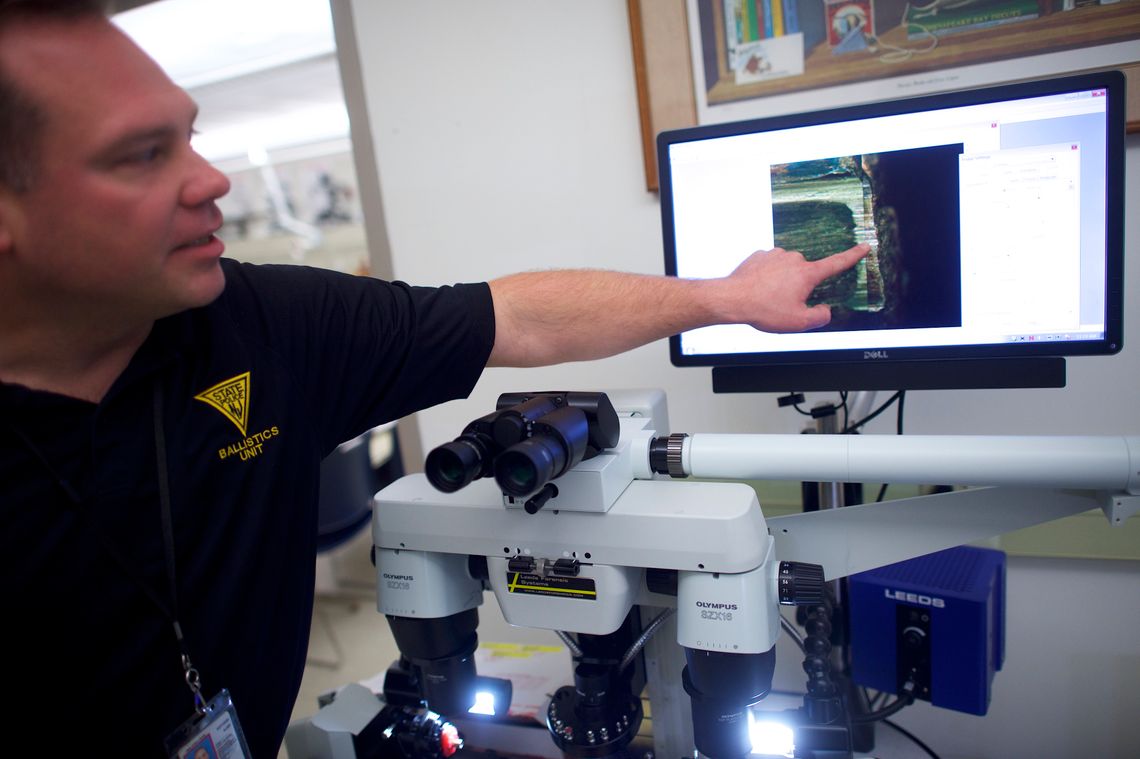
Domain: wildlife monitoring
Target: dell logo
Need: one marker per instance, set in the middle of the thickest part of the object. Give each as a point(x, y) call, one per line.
point(875, 354)
point(914, 598)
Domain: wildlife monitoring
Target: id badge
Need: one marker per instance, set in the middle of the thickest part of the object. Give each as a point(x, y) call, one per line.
point(214, 735)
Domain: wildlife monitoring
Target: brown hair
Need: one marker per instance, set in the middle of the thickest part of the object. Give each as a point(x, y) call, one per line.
point(21, 118)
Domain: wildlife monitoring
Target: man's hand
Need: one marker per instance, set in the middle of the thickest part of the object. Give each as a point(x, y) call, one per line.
point(770, 288)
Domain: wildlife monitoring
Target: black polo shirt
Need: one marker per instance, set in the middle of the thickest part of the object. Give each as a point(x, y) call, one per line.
point(257, 388)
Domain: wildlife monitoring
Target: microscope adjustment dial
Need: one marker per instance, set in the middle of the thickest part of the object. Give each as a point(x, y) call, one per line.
point(800, 584)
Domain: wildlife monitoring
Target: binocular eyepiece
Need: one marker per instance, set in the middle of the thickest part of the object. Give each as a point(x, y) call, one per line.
point(530, 439)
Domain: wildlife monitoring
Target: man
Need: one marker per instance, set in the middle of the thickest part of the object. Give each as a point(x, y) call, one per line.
point(163, 412)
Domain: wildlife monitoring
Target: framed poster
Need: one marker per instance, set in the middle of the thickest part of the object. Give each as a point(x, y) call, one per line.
point(758, 58)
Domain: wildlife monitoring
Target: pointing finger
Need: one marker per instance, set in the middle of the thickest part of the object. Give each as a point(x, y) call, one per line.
point(832, 265)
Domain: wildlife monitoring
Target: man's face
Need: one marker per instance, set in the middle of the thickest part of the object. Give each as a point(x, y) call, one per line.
point(121, 215)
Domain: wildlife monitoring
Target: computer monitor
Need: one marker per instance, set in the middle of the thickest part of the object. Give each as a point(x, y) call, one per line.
point(995, 219)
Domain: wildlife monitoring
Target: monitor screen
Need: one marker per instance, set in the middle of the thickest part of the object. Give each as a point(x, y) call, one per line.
point(994, 216)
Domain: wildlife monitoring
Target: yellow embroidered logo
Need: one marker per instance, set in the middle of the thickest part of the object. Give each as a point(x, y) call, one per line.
point(231, 397)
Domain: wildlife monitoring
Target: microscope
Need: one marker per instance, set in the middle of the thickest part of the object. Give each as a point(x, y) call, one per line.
point(572, 507)
point(555, 497)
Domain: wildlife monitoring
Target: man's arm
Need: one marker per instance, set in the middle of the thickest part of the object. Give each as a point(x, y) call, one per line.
point(551, 317)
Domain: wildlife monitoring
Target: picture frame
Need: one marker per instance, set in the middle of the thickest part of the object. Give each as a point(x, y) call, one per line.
point(671, 55)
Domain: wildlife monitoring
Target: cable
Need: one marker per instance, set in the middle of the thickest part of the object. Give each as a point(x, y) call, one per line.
point(873, 702)
point(862, 402)
point(886, 404)
point(889, 710)
point(880, 699)
point(792, 632)
point(905, 699)
point(912, 737)
point(796, 406)
point(835, 407)
point(644, 638)
point(899, 412)
point(575, 649)
point(906, 733)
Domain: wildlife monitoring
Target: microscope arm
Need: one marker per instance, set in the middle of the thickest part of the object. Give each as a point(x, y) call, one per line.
point(1105, 463)
point(860, 538)
point(1041, 479)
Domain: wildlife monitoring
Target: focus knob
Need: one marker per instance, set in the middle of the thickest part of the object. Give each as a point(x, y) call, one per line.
point(800, 584)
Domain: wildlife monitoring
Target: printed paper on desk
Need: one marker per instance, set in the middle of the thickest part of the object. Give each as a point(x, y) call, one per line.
point(535, 673)
point(353, 710)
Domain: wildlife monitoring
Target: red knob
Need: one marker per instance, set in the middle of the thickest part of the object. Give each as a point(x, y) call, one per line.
point(449, 740)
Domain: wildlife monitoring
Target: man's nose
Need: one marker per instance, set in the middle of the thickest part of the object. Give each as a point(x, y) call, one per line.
point(206, 183)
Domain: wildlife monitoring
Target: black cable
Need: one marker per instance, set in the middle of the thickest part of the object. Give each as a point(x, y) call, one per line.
point(881, 694)
point(878, 698)
point(841, 405)
point(912, 737)
point(889, 710)
point(796, 406)
point(886, 404)
point(899, 411)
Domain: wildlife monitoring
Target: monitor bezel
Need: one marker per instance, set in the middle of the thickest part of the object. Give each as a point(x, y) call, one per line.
point(1112, 82)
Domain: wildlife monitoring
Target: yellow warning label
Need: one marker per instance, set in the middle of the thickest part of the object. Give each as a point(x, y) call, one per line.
point(231, 397)
point(565, 587)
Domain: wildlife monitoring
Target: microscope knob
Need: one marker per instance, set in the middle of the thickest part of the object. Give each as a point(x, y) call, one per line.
point(666, 455)
point(800, 584)
point(449, 740)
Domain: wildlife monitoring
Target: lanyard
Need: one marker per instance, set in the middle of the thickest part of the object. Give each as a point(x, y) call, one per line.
point(190, 674)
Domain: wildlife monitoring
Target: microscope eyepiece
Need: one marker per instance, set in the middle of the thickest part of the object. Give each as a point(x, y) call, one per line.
point(519, 470)
point(529, 440)
point(557, 442)
point(454, 465)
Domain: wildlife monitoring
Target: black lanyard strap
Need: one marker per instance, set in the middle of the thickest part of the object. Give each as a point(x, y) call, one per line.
point(192, 677)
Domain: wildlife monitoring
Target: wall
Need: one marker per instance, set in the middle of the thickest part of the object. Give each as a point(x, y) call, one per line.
point(505, 136)
point(508, 141)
